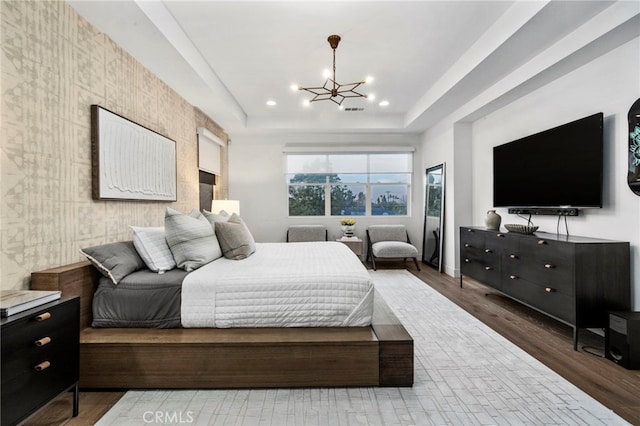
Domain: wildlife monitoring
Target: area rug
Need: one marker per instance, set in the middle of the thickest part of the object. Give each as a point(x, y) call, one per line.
point(465, 374)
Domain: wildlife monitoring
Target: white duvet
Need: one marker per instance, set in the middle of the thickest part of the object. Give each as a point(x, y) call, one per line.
point(318, 284)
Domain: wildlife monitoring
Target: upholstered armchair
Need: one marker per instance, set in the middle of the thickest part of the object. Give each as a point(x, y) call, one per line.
point(390, 242)
point(302, 233)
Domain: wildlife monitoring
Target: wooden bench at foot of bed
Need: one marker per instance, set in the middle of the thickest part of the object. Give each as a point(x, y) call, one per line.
point(128, 358)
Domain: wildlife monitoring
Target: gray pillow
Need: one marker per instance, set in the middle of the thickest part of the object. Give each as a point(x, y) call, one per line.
point(152, 247)
point(115, 260)
point(191, 239)
point(213, 217)
point(235, 238)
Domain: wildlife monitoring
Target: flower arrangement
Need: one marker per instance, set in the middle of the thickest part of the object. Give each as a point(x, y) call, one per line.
point(347, 222)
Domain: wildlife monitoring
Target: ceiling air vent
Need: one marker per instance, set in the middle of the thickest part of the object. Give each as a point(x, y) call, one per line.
point(353, 109)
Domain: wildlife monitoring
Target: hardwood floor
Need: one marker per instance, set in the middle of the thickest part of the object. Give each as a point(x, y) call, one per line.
point(545, 339)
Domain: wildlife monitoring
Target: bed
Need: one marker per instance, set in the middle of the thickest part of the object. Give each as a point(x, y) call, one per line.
point(367, 347)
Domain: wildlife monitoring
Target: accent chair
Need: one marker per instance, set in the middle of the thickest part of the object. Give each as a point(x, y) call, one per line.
point(390, 242)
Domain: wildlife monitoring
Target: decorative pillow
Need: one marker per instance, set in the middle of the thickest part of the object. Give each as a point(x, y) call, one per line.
point(235, 238)
point(191, 239)
point(115, 260)
point(213, 217)
point(152, 247)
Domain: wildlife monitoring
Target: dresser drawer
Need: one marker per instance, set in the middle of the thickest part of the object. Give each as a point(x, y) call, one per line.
point(545, 299)
point(20, 336)
point(557, 276)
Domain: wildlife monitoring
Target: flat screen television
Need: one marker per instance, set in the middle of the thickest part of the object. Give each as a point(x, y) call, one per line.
point(560, 167)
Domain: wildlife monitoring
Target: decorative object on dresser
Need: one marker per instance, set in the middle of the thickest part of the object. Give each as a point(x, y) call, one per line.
point(492, 220)
point(575, 280)
point(520, 229)
point(13, 302)
point(40, 358)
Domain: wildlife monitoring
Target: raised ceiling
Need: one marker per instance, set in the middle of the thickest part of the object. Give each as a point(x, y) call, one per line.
point(428, 58)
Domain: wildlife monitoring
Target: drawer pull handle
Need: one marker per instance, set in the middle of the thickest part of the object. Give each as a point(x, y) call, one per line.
point(488, 268)
point(513, 256)
point(549, 290)
point(467, 245)
point(542, 242)
point(469, 230)
point(513, 277)
point(549, 266)
point(42, 366)
point(488, 251)
point(43, 316)
point(467, 261)
point(42, 342)
point(500, 235)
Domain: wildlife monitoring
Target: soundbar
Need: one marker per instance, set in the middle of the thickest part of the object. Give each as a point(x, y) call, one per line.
point(549, 211)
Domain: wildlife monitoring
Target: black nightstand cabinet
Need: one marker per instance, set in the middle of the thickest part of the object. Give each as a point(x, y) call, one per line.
point(576, 280)
point(40, 358)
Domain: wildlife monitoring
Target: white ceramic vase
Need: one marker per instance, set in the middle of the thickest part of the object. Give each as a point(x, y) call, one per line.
point(492, 220)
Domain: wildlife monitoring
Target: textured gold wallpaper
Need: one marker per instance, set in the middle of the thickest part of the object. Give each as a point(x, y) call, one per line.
point(54, 65)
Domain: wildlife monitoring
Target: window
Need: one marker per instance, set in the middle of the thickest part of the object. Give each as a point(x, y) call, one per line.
point(360, 184)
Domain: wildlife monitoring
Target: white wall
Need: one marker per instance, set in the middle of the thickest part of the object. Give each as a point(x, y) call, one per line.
point(256, 178)
point(610, 84)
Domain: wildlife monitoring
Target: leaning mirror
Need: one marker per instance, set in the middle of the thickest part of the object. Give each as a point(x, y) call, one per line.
point(433, 217)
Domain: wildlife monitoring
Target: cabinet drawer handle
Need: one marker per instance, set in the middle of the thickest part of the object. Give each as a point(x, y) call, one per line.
point(500, 235)
point(488, 251)
point(549, 289)
point(488, 268)
point(44, 341)
point(469, 230)
point(513, 256)
point(542, 242)
point(467, 261)
point(549, 266)
point(43, 316)
point(467, 245)
point(42, 366)
point(514, 277)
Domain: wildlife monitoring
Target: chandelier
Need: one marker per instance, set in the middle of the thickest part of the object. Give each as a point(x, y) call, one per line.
point(331, 90)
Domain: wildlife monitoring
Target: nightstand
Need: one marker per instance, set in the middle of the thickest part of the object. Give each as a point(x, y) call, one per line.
point(40, 358)
point(354, 243)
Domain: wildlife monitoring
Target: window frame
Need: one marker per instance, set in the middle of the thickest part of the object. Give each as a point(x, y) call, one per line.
point(367, 183)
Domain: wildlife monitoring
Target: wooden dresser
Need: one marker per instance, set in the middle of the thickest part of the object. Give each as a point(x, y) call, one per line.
point(576, 280)
point(40, 358)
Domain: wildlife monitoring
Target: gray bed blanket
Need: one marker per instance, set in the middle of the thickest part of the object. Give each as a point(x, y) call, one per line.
point(142, 299)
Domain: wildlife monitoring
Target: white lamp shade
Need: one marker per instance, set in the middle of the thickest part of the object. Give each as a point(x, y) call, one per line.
point(229, 206)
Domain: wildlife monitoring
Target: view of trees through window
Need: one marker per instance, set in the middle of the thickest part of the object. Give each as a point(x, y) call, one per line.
point(349, 194)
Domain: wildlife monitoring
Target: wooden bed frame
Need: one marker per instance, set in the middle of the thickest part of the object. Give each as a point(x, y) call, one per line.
point(128, 358)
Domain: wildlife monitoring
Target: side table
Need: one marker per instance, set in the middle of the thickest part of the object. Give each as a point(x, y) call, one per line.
point(40, 358)
point(354, 243)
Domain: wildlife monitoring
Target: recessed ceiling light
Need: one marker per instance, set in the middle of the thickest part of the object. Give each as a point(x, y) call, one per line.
point(271, 102)
point(384, 103)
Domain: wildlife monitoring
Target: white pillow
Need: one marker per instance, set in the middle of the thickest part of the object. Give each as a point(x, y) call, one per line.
point(191, 239)
point(152, 247)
